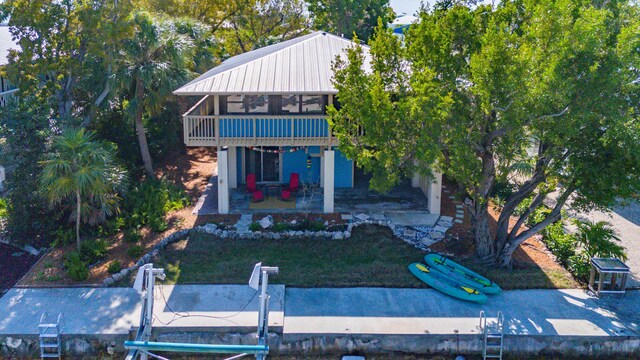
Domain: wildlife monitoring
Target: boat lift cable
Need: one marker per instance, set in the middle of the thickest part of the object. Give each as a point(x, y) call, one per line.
point(141, 346)
point(180, 315)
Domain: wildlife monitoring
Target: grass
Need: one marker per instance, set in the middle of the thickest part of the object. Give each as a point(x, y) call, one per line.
point(371, 257)
point(529, 277)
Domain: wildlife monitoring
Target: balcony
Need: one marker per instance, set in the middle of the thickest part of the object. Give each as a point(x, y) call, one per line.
point(259, 130)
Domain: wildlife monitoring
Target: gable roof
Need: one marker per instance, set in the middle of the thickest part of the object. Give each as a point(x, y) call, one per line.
point(297, 66)
point(6, 43)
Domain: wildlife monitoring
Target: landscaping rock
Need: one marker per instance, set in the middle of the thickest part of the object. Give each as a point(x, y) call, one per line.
point(108, 281)
point(210, 228)
point(31, 250)
point(276, 236)
point(362, 217)
point(116, 277)
point(441, 229)
point(338, 236)
point(436, 235)
point(266, 222)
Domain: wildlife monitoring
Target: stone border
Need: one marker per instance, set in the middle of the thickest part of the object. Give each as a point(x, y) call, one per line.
point(212, 229)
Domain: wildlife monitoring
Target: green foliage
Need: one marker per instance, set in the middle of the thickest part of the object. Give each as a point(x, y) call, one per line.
point(93, 250)
point(149, 201)
point(63, 236)
point(346, 17)
point(114, 267)
point(132, 236)
point(4, 208)
point(254, 226)
point(83, 170)
point(24, 128)
point(561, 244)
point(158, 225)
point(599, 239)
point(135, 251)
point(164, 130)
point(112, 227)
point(76, 268)
point(524, 90)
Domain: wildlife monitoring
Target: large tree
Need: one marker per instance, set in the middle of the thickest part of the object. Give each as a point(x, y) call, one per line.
point(67, 52)
point(346, 17)
point(537, 92)
point(84, 170)
point(155, 61)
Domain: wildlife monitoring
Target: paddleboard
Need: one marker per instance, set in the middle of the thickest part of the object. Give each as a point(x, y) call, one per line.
point(446, 285)
point(462, 274)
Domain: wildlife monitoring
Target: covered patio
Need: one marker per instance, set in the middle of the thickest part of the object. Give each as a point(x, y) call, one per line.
point(402, 198)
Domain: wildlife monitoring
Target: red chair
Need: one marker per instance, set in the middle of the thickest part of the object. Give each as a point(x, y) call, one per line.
point(294, 183)
point(256, 194)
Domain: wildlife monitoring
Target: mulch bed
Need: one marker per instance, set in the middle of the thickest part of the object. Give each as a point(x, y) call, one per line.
point(14, 263)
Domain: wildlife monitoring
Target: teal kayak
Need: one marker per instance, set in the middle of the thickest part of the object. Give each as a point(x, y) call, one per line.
point(461, 274)
point(446, 285)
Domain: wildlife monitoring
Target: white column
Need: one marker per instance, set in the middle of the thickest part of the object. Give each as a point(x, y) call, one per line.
point(329, 182)
point(415, 180)
point(233, 167)
point(321, 169)
point(223, 182)
point(434, 195)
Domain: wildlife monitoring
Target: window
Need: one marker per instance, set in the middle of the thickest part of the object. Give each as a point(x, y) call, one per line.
point(312, 104)
point(235, 104)
point(257, 104)
point(290, 104)
point(243, 104)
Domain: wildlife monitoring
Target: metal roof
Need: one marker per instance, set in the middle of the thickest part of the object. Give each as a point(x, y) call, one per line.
point(6, 43)
point(298, 66)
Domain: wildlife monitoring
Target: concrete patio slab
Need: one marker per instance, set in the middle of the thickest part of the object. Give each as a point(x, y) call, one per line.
point(112, 311)
point(426, 311)
point(413, 219)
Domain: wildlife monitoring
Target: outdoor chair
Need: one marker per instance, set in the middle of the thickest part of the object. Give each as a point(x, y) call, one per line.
point(294, 184)
point(252, 188)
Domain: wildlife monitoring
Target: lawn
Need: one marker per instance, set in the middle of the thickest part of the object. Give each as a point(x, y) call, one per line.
point(372, 257)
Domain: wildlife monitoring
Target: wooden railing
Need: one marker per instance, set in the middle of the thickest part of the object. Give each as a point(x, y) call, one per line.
point(6, 96)
point(228, 130)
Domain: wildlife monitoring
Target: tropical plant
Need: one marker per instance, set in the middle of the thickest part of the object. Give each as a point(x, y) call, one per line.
point(526, 91)
point(83, 169)
point(349, 17)
point(155, 61)
point(598, 239)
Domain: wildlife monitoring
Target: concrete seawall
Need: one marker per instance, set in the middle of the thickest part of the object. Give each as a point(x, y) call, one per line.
point(566, 323)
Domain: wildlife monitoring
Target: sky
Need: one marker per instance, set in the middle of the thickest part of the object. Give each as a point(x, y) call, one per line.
point(410, 7)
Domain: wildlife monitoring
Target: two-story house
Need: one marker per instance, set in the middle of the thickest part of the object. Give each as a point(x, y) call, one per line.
point(265, 111)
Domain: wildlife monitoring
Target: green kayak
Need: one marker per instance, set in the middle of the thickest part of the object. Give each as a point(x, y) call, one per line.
point(444, 284)
point(461, 273)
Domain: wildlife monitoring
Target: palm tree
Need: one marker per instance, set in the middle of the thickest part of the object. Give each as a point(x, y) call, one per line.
point(598, 239)
point(156, 61)
point(82, 169)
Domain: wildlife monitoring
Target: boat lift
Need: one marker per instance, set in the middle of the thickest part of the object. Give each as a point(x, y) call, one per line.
point(141, 347)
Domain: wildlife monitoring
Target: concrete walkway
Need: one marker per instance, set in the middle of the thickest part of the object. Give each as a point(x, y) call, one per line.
point(626, 221)
point(322, 311)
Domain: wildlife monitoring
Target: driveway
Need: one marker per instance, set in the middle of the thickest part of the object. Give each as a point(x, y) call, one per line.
point(626, 221)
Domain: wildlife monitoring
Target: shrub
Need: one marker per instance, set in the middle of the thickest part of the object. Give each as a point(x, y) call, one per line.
point(3, 208)
point(63, 236)
point(148, 202)
point(112, 226)
point(135, 251)
point(93, 250)
point(254, 226)
point(598, 239)
point(561, 244)
point(501, 190)
point(158, 225)
point(76, 268)
point(132, 236)
point(114, 267)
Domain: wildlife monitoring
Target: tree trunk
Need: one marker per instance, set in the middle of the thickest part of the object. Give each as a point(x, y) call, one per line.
point(485, 249)
point(78, 208)
point(142, 137)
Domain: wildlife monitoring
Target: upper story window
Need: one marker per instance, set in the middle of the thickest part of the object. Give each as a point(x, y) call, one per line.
point(312, 104)
point(247, 104)
point(302, 104)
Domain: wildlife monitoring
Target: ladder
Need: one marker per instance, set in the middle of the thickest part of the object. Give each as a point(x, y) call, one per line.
point(493, 334)
point(49, 336)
